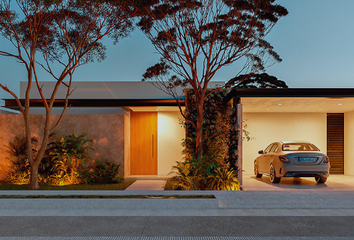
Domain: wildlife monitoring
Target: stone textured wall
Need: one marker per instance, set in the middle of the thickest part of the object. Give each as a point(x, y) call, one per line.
point(106, 131)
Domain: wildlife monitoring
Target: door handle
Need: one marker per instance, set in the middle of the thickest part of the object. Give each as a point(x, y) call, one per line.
point(152, 145)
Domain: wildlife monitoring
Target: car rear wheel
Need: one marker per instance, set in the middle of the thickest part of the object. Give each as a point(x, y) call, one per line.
point(273, 178)
point(258, 175)
point(320, 179)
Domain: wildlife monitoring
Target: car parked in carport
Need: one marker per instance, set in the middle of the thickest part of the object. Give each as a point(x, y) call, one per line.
point(292, 159)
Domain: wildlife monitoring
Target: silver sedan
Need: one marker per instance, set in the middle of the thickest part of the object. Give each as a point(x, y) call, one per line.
point(292, 159)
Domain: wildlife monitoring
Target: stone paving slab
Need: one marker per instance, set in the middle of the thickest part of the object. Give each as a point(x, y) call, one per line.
point(146, 185)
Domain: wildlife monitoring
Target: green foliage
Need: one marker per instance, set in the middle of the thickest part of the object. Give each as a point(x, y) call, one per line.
point(66, 156)
point(101, 172)
point(20, 168)
point(223, 179)
point(204, 173)
point(216, 126)
point(252, 80)
point(188, 177)
point(63, 163)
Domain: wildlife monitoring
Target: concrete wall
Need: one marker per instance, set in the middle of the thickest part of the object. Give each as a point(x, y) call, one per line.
point(170, 135)
point(266, 128)
point(349, 143)
point(106, 131)
point(105, 90)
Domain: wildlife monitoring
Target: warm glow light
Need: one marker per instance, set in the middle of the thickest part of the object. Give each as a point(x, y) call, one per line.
point(340, 104)
point(320, 109)
point(267, 109)
point(280, 104)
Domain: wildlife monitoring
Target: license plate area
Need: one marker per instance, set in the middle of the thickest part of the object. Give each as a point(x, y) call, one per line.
point(307, 160)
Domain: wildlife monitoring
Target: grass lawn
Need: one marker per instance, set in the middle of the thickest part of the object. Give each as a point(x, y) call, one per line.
point(112, 186)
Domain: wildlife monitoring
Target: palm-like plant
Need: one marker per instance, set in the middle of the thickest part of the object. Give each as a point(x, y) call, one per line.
point(188, 178)
point(20, 167)
point(223, 179)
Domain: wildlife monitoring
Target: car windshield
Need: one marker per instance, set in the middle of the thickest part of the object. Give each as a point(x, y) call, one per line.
point(299, 147)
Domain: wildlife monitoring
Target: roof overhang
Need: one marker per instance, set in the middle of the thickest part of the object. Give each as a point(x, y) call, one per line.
point(100, 103)
point(291, 92)
point(295, 100)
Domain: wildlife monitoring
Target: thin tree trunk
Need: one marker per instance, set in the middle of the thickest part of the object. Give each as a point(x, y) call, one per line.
point(34, 176)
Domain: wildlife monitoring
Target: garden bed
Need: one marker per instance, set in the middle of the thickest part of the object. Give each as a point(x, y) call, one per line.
point(112, 186)
point(112, 196)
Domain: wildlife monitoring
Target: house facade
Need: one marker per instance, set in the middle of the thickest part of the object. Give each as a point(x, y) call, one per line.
point(138, 126)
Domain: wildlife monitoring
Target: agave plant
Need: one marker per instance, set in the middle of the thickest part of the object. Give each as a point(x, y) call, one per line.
point(223, 179)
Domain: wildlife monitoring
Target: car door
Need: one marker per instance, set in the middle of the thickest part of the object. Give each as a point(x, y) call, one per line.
point(263, 160)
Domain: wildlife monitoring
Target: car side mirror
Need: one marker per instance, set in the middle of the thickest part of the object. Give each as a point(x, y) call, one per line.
point(261, 152)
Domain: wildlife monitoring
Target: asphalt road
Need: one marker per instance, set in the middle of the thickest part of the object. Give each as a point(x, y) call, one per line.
point(222, 226)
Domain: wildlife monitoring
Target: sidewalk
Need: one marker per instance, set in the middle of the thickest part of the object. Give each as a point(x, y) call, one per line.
point(241, 203)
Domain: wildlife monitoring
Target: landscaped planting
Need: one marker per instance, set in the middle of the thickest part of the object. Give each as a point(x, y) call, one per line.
point(64, 164)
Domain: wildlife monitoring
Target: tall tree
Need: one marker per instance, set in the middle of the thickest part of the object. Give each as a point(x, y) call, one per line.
point(52, 35)
point(197, 38)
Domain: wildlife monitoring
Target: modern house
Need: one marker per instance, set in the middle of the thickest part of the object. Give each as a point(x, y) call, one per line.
point(138, 126)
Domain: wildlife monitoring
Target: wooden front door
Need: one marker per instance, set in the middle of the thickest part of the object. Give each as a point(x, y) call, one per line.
point(143, 143)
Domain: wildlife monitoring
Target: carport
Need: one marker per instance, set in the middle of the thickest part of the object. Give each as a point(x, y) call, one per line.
point(324, 117)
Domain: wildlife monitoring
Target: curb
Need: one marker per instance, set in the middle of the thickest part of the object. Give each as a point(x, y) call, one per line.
point(109, 204)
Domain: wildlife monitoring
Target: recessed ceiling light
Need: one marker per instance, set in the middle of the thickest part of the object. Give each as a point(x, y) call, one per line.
point(280, 104)
point(320, 109)
point(340, 104)
point(267, 109)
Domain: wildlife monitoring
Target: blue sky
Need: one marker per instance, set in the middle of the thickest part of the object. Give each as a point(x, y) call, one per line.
point(315, 41)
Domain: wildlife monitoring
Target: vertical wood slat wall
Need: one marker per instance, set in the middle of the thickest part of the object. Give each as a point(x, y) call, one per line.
point(335, 142)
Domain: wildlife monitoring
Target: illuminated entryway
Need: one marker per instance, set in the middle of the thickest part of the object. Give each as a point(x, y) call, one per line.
point(165, 139)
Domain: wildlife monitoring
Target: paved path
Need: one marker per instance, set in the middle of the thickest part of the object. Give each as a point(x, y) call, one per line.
point(147, 185)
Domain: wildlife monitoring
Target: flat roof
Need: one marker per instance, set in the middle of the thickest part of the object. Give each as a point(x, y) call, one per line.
point(290, 92)
point(11, 103)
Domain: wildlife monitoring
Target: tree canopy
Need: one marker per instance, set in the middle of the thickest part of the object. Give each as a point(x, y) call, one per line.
point(65, 33)
point(262, 80)
point(197, 38)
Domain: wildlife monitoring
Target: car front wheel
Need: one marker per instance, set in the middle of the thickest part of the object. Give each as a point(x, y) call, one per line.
point(258, 175)
point(273, 178)
point(320, 179)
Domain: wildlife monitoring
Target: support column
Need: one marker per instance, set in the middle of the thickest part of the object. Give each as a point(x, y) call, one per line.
point(237, 104)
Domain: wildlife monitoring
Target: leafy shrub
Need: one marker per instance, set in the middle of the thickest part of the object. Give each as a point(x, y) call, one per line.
point(188, 177)
point(101, 172)
point(20, 168)
point(204, 173)
point(62, 164)
point(66, 156)
point(223, 179)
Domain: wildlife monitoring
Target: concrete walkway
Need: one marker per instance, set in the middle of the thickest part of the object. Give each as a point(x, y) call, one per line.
point(147, 185)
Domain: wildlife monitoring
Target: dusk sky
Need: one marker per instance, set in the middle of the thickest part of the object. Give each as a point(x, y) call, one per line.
point(315, 41)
